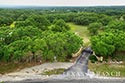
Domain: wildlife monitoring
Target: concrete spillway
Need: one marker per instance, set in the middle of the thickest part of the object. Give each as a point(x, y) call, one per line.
point(80, 67)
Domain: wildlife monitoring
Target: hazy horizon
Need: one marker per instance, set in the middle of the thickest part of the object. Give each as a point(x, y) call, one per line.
point(62, 3)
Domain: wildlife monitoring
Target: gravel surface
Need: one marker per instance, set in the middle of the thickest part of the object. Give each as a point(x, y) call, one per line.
point(84, 80)
point(34, 72)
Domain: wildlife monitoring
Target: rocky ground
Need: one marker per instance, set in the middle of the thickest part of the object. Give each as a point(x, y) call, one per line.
point(34, 72)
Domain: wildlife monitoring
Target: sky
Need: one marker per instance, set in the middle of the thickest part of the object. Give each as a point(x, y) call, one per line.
point(62, 2)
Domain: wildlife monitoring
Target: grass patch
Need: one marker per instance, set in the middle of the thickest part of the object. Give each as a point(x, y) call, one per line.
point(108, 69)
point(2, 82)
point(54, 71)
point(13, 67)
point(82, 31)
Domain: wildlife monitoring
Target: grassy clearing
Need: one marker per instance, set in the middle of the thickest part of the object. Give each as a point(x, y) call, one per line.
point(113, 70)
point(81, 31)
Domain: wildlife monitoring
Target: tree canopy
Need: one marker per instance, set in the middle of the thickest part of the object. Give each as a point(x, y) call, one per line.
point(107, 43)
point(60, 26)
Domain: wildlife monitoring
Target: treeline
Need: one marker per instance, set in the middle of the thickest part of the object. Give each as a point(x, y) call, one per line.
point(79, 15)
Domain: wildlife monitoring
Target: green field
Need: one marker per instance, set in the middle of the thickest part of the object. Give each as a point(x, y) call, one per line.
point(81, 31)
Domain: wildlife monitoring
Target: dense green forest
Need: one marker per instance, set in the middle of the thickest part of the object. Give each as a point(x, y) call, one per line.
point(40, 34)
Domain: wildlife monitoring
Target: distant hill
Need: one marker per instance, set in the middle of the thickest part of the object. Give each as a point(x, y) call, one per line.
point(46, 7)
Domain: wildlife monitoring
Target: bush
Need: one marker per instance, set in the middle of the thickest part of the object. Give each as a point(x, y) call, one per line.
point(94, 27)
point(93, 58)
point(60, 26)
